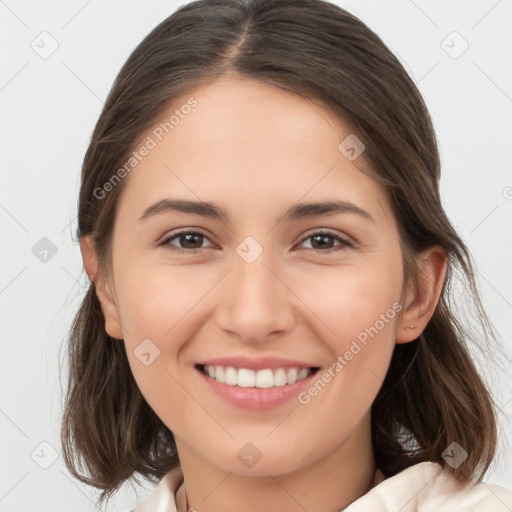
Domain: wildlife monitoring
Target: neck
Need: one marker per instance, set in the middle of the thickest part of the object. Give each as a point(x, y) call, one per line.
point(330, 483)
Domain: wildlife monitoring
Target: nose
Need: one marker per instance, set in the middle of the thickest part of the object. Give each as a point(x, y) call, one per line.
point(255, 301)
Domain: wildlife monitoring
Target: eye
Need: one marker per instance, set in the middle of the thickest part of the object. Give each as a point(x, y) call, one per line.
point(189, 241)
point(323, 241)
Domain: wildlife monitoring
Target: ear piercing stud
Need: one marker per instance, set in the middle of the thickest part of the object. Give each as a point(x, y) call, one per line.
point(412, 327)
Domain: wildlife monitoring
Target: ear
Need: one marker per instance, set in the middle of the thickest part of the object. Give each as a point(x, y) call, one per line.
point(102, 286)
point(419, 305)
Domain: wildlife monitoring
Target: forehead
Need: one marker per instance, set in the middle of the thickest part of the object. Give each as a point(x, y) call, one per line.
point(246, 144)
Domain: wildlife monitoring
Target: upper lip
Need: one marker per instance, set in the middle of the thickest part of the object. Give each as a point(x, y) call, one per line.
point(255, 363)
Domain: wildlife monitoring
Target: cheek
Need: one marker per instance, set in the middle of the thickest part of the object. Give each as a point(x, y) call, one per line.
point(359, 301)
point(155, 299)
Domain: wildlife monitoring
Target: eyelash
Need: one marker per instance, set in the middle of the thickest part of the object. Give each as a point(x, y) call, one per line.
point(344, 243)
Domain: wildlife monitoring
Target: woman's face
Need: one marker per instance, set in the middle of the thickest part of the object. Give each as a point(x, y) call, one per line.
point(266, 286)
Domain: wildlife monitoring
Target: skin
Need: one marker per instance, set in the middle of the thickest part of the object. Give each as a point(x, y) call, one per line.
point(257, 150)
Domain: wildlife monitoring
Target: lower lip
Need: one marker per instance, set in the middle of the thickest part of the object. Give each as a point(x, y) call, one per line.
point(256, 398)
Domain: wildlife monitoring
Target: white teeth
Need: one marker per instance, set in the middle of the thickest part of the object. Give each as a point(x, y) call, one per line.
point(245, 378)
point(279, 377)
point(266, 378)
point(219, 373)
point(302, 374)
point(230, 376)
point(291, 376)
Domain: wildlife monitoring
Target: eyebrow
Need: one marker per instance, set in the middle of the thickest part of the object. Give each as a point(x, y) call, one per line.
point(213, 211)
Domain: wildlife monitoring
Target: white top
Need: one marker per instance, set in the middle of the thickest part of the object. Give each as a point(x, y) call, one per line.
point(424, 487)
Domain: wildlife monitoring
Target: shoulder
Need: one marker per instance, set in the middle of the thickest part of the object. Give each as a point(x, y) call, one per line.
point(162, 499)
point(427, 487)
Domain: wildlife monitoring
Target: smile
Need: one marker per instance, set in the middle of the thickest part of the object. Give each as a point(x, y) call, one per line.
point(263, 379)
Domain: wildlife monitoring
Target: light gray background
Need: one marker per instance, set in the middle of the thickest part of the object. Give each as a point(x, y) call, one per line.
point(48, 110)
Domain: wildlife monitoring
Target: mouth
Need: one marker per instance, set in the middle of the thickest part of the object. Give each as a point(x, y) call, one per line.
point(264, 378)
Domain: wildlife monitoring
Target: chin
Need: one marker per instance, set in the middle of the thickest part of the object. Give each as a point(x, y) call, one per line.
point(259, 459)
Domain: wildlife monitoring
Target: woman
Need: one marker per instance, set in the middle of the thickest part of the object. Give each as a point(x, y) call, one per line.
point(268, 325)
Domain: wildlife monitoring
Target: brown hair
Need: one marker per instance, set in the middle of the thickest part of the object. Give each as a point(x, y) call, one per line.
point(432, 394)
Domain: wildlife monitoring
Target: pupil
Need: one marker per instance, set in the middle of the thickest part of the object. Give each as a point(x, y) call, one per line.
point(189, 239)
point(322, 239)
